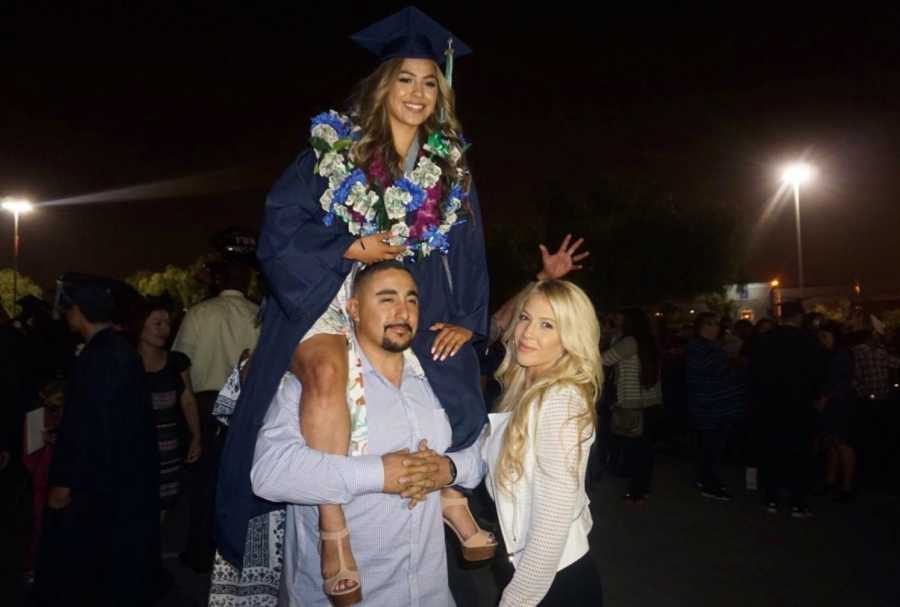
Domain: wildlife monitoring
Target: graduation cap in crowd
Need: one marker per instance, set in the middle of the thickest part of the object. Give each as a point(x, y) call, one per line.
point(411, 34)
point(100, 299)
point(235, 244)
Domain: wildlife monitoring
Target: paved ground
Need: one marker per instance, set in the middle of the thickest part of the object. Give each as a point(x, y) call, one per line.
point(681, 549)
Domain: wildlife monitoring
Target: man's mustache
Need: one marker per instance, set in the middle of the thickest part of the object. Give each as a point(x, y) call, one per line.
point(399, 324)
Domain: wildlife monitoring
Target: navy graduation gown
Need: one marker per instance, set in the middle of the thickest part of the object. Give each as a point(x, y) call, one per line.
point(103, 549)
point(303, 263)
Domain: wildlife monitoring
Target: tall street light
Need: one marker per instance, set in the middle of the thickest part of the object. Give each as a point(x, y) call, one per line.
point(796, 175)
point(16, 206)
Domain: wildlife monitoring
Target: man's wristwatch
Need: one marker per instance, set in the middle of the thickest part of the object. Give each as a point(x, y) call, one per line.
point(452, 472)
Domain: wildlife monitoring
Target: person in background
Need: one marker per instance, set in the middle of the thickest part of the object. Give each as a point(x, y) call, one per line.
point(785, 374)
point(715, 399)
point(101, 527)
point(838, 399)
point(635, 360)
point(169, 383)
point(212, 336)
point(873, 367)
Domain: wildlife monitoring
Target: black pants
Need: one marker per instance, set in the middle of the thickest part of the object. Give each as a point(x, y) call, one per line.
point(713, 443)
point(639, 459)
point(16, 524)
point(578, 585)
point(787, 463)
point(874, 436)
point(200, 486)
point(640, 454)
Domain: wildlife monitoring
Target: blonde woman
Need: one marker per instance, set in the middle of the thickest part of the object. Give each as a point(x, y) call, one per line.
point(538, 446)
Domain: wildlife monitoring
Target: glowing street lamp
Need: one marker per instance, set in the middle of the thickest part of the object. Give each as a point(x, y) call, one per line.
point(796, 175)
point(16, 206)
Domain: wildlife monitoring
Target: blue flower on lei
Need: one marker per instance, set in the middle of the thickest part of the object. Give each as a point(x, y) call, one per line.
point(343, 190)
point(340, 127)
point(436, 240)
point(417, 193)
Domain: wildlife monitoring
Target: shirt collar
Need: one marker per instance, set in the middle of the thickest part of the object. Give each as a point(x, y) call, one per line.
point(412, 155)
point(230, 293)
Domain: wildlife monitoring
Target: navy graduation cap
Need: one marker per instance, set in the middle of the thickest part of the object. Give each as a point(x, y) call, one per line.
point(411, 34)
point(98, 297)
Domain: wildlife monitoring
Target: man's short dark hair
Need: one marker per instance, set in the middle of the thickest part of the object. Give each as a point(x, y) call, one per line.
point(366, 274)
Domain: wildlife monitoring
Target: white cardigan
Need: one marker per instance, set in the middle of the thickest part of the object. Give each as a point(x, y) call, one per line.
point(545, 523)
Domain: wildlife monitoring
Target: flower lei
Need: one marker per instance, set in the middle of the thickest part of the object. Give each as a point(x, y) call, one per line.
point(411, 207)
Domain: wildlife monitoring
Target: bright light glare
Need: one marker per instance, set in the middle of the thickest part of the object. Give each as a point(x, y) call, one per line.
point(17, 205)
point(798, 174)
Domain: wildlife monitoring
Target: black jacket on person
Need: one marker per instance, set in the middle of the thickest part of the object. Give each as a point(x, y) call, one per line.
point(786, 377)
point(103, 549)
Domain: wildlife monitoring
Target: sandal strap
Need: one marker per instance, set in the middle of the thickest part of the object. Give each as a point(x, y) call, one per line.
point(482, 538)
point(343, 573)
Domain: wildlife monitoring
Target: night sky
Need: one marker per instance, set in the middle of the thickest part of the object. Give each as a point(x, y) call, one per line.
point(708, 105)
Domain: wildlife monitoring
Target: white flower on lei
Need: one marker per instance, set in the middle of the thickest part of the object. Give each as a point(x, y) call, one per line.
point(338, 176)
point(448, 222)
point(358, 197)
point(326, 133)
point(399, 234)
point(426, 173)
point(455, 154)
point(331, 164)
point(371, 209)
point(342, 212)
point(326, 199)
point(395, 201)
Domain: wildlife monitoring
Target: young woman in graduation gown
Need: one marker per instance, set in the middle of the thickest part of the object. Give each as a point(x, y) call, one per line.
point(321, 223)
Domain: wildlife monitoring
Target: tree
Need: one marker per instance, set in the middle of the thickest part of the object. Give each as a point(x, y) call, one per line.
point(25, 286)
point(181, 284)
point(186, 286)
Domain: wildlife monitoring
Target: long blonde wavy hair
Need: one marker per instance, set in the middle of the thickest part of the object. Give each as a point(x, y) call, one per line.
point(580, 367)
point(368, 106)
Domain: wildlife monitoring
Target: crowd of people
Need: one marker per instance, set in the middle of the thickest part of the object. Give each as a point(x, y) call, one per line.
point(329, 441)
point(805, 404)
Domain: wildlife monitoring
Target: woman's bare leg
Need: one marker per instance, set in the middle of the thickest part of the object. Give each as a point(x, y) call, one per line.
point(320, 363)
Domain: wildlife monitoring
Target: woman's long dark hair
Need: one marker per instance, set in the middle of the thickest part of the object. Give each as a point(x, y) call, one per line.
point(636, 324)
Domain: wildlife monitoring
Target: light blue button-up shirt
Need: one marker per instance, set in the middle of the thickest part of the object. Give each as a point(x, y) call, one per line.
point(400, 553)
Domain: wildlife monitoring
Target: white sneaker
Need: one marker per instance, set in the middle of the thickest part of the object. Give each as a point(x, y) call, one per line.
point(750, 476)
